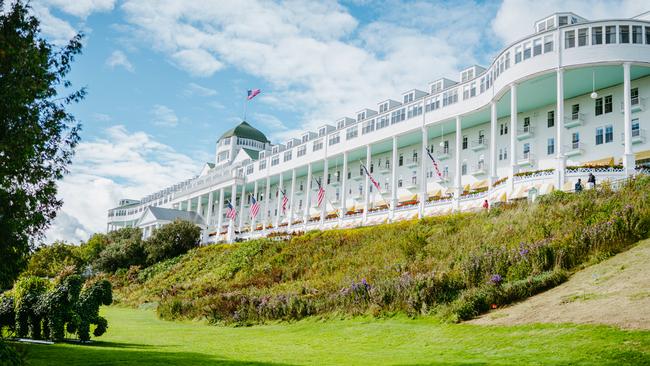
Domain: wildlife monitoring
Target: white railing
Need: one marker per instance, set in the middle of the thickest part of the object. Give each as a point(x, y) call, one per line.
point(529, 129)
point(479, 144)
point(534, 176)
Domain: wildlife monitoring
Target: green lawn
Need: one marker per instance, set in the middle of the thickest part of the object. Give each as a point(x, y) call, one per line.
point(138, 337)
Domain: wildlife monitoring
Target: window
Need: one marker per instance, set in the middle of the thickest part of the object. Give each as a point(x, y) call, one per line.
point(351, 133)
point(624, 33)
point(610, 34)
point(226, 141)
point(569, 39)
point(302, 150)
point(414, 178)
point(575, 141)
point(527, 50)
point(433, 103)
point(526, 124)
point(634, 96)
point(609, 133)
point(382, 122)
point(368, 127)
point(537, 47)
point(399, 182)
point(334, 139)
point(275, 160)
point(262, 165)
point(637, 34)
point(414, 110)
point(318, 144)
point(383, 107)
point(526, 150)
point(401, 159)
point(481, 137)
point(322, 131)
point(450, 97)
point(408, 98)
point(647, 35)
point(596, 35)
point(636, 131)
point(361, 116)
point(464, 142)
point(550, 146)
point(518, 54)
point(562, 21)
point(414, 157)
point(548, 44)
point(287, 155)
point(305, 138)
point(445, 147)
point(463, 168)
point(575, 112)
point(387, 164)
point(608, 104)
point(504, 129)
point(550, 119)
point(398, 116)
point(599, 136)
point(599, 106)
point(582, 37)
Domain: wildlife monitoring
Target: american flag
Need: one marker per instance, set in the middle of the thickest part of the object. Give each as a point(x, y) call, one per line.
point(321, 193)
point(231, 213)
point(285, 201)
point(374, 182)
point(255, 207)
point(435, 164)
point(252, 93)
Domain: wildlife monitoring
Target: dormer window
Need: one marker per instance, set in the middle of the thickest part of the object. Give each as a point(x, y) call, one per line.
point(361, 116)
point(409, 97)
point(262, 154)
point(322, 131)
point(383, 107)
point(563, 20)
point(340, 124)
point(275, 149)
point(305, 138)
point(289, 144)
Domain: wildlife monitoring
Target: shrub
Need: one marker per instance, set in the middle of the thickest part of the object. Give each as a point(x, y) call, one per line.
point(9, 356)
point(49, 260)
point(172, 240)
point(125, 249)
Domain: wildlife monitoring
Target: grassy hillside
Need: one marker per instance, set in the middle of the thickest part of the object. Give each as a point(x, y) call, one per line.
point(456, 266)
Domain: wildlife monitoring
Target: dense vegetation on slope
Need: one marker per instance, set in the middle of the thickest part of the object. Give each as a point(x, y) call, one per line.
point(455, 266)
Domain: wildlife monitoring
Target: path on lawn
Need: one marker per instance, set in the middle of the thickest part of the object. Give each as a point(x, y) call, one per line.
point(614, 292)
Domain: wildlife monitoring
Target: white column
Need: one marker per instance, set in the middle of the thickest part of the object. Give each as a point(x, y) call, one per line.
point(393, 183)
point(220, 211)
point(278, 204)
point(241, 209)
point(231, 222)
point(493, 143)
point(559, 130)
point(292, 197)
point(423, 172)
point(254, 219)
point(344, 188)
point(267, 200)
point(189, 205)
point(458, 184)
point(323, 208)
point(366, 187)
point(513, 136)
point(208, 218)
point(628, 157)
point(199, 205)
point(307, 196)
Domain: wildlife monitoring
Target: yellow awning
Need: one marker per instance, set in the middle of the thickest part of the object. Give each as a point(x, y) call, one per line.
point(480, 184)
point(642, 155)
point(604, 162)
point(503, 197)
point(568, 186)
point(408, 197)
point(437, 193)
point(466, 188)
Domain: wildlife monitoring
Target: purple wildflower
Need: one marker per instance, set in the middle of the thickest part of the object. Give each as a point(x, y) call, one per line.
point(496, 279)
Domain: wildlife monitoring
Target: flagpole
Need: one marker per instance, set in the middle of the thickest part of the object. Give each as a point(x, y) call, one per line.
point(245, 107)
point(368, 173)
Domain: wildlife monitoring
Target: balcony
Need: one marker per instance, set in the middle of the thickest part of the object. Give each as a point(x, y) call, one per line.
point(411, 163)
point(638, 136)
point(442, 154)
point(525, 133)
point(478, 170)
point(384, 169)
point(575, 120)
point(573, 149)
point(637, 104)
point(480, 144)
point(335, 183)
point(526, 159)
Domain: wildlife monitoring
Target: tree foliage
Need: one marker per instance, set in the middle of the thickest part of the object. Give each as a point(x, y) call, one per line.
point(172, 240)
point(37, 134)
point(50, 260)
point(124, 249)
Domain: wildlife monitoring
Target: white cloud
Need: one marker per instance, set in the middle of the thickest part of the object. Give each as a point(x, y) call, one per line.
point(318, 59)
point(515, 18)
point(164, 116)
point(101, 117)
point(80, 8)
point(57, 30)
point(118, 58)
point(121, 165)
point(194, 89)
point(197, 62)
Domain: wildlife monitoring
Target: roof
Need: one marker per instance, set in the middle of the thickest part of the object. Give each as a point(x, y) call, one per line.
point(244, 130)
point(169, 214)
point(254, 154)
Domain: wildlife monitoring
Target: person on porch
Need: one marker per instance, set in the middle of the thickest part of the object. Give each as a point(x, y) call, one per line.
point(578, 186)
point(591, 181)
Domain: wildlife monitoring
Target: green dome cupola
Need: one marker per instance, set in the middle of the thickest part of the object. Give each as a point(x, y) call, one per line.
point(246, 131)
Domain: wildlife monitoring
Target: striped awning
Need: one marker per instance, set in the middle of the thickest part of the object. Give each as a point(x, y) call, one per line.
point(642, 155)
point(480, 184)
point(608, 161)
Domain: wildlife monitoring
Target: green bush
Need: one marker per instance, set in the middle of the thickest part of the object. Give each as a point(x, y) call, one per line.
point(9, 356)
point(172, 240)
point(50, 260)
point(124, 249)
point(27, 293)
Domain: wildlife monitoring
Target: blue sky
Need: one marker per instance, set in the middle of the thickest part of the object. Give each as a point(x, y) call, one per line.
point(166, 78)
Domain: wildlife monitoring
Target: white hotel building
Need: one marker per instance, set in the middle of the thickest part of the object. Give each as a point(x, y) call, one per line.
point(570, 99)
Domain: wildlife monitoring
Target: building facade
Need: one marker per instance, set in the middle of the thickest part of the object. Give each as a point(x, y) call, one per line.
point(568, 100)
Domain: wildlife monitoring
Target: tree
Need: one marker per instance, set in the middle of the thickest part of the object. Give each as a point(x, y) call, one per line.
point(124, 249)
point(172, 240)
point(50, 260)
point(37, 134)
